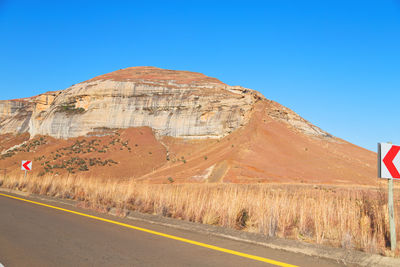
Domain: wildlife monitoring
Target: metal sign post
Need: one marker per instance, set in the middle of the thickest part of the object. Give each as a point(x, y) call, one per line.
point(391, 216)
point(389, 168)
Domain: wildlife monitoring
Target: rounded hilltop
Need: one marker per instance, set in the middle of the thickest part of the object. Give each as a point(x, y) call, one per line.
point(148, 73)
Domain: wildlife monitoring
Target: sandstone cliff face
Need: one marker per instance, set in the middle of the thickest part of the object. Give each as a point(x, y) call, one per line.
point(173, 103)
point(178, 110)
point(15, 116)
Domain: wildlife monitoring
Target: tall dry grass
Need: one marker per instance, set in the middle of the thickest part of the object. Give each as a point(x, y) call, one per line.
point(337, 216)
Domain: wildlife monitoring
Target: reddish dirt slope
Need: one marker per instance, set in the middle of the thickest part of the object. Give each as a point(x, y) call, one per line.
point(266, 150)
point(121, 154)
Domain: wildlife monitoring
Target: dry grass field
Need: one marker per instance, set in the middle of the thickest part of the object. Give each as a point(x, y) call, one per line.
point(350, 217)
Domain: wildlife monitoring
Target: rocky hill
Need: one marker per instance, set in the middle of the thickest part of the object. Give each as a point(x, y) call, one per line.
point(173, 103)
point(162, 125)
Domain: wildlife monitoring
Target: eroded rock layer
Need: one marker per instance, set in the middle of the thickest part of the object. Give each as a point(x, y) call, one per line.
point(173, 103)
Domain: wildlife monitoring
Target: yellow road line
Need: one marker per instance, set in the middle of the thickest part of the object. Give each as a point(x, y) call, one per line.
point(229, 251)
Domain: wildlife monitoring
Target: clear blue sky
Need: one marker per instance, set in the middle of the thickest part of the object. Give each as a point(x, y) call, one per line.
point(336, 63)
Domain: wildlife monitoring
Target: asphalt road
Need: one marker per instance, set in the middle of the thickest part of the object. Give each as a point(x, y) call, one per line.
point(33, 235)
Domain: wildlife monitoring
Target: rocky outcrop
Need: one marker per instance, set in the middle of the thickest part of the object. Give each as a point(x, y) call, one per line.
point(180, 110)
point(173, 103)
point(15, 115)
point(296, 122)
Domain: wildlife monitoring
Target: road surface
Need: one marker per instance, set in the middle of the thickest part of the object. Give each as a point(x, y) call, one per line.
point(34, 235)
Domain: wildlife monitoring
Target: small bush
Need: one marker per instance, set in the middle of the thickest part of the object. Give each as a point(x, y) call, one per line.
point(83, 168)
point(70, 109)
point(241, 219)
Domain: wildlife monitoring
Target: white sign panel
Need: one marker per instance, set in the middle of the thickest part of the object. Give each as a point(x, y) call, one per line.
point(388, 161)
point(26, 165)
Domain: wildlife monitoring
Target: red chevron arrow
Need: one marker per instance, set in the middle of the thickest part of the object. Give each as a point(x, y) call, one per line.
point(25, 165)
point(388, 160)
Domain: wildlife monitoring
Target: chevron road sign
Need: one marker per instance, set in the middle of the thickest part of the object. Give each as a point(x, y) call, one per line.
point(26, 165)
point(388, 161)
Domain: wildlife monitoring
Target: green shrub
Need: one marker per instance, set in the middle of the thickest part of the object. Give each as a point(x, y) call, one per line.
point(70, 109)
point(83, 168)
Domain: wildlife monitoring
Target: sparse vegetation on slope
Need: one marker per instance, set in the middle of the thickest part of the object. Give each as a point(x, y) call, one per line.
point(70, 158)
point(29, 146)
point(70, 109)
point(337, 216)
